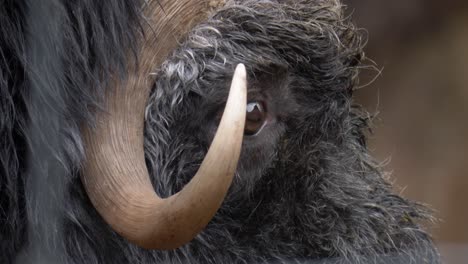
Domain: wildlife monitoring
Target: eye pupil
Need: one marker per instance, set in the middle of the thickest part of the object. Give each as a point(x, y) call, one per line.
point(255, 118)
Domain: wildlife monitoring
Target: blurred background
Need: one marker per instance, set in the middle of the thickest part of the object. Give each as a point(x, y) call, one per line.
point(421, 98)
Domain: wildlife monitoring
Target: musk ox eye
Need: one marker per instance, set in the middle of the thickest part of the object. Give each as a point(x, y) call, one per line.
point(255, 118)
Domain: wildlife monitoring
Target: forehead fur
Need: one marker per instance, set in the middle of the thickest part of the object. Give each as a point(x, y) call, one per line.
point(308, 37)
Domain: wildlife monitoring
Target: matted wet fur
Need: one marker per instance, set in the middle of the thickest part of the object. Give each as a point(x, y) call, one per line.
point(306, 187)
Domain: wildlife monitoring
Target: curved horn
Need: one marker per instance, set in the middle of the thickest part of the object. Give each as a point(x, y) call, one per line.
point(115, 174)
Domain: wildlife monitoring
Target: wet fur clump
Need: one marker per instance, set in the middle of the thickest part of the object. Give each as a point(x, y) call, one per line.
point(306, 188)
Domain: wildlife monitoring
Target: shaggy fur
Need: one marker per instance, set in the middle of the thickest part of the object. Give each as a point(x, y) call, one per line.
point(306, 187)
point(12, 122)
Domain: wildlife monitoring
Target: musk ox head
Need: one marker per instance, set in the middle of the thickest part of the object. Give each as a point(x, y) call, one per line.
point(304, 173)
point(305, 184)
point(164, 135)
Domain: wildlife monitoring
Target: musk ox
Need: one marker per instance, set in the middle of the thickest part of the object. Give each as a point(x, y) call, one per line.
point(106, 106)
